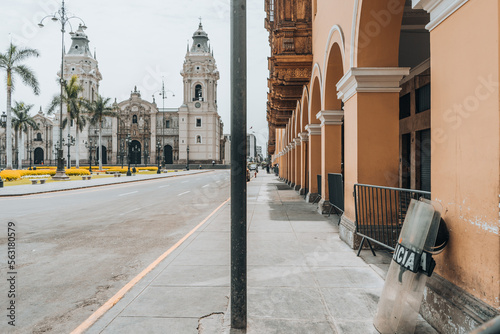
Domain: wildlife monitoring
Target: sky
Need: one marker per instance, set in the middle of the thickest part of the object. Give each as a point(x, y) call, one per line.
point(137, 44)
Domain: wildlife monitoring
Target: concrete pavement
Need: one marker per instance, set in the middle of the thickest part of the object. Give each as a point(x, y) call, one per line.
point(301, 277)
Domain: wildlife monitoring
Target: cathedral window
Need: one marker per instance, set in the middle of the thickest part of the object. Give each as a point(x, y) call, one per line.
point(39, 137)
point(198, 122)
point(198, 139)
point(134, 119)
point(167, 124)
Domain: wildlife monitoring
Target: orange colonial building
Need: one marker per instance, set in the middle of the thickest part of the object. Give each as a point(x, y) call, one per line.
point(399, 94)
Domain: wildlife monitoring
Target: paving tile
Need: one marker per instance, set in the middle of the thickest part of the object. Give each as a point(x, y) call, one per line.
point(286, 303)
point(348, 277)
point(179, 302)
point(356, 327)
point(261, 256)
point(287, 326)
point(193, 276)
point(270, 226)
point(218, 226)
point(210, 241)
point(273, 276)
point(202, 257)
point(351, 304)
point(149, 325)
point(313, 226)
point(333, 259)
point(271, 237)
point(328, 242)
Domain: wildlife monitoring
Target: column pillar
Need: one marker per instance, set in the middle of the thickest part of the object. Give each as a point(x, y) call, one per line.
point(331, 150)
point(371, 134)
point(297, 163)
point(292, 164)
point(304, 139)
point(314, 160)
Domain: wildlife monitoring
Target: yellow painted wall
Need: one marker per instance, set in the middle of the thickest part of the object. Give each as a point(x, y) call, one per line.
point(465, 145)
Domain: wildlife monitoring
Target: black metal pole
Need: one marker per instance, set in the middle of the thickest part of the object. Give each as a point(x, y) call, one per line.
point(128, 158)
point(238, 165)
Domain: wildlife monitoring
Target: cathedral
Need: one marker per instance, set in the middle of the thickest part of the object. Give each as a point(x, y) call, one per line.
point(191, 133)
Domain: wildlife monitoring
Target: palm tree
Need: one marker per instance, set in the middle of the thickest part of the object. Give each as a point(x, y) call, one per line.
point(21, 122)
point(98, 109)
point(10, 63)
point(74, 108)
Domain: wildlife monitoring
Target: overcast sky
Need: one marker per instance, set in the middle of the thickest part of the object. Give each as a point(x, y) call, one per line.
point(138, 43)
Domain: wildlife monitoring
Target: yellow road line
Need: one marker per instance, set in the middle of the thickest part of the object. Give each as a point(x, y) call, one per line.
point(119, 295)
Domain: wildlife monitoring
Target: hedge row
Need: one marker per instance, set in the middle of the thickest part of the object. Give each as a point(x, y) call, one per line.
point(12, 175)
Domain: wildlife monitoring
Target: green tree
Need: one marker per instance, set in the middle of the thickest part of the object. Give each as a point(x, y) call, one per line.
point(10, 62)
point(74, 110)
point(98, 109)
point(21, 122)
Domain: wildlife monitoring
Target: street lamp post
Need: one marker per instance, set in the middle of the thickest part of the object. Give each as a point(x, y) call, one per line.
point(146, 153)
point(3, 122)
point(30, 150)
point(122, 151)
point(90, 145)
point(163, 93)
point(17, 157)
point(129, 143)
point(70, 142)
point(187, 162)
point(61, 17)
point(158, 147)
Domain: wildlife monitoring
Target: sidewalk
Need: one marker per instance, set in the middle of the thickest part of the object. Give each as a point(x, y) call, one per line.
point(29, 189)
point(301, 277)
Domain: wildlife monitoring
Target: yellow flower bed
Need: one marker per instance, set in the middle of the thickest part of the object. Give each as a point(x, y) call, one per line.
point(74, 171)
point(25, 172)
point(10, 175)
point(116, 170)
point(152, 169)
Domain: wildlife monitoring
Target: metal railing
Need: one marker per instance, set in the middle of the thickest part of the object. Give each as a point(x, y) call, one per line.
point(381, 211)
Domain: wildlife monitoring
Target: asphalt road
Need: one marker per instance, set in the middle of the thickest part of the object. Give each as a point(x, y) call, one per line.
point(76, 249)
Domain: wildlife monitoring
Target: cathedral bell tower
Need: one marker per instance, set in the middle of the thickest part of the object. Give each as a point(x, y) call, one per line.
point(79, 61)
point(199, 122)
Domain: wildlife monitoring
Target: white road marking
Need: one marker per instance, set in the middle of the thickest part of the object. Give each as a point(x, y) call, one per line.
point(130, 193)
point(184, 181)
point(186, 192)
point(125, 213)
point(164, 186)
point(206, 185)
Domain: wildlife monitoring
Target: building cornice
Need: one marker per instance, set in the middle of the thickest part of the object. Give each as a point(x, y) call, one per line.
point(330, 117)
point(313, 129)
point(439, 10)
point(370, 80)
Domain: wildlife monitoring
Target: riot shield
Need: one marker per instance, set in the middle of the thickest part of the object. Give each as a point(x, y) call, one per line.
point(410, 267)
